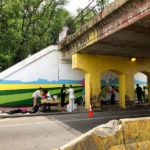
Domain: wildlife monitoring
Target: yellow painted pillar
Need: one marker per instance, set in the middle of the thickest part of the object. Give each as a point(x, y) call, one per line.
point(87, 90)
point(92, 86)
point(122, 90)
point(95, 83)
point(130, 91)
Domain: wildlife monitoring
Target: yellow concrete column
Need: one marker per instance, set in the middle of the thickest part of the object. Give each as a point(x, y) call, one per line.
point(130, 91)
point(87, 90)
point(92, 86)
point(122, 90)
point(95, 83)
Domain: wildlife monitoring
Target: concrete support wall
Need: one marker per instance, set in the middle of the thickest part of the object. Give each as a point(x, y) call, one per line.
point(94, 65)
point(123, 134)
point(130, 91)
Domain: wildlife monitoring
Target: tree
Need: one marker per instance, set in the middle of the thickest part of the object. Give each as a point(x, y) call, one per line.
point(27, 26)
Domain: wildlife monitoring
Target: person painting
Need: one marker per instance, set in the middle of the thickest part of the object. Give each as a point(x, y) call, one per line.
point(71, 97)
point(63, 96)
point(144, 93)
point(139, 93)
point(112, 95)
point(83, 97)
point(46, 96)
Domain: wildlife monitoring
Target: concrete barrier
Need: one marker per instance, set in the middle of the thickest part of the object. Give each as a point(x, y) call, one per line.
point(123, 134)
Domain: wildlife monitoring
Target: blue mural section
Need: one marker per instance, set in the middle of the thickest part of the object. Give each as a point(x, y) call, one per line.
point(114, 81)
point(41, 81)
point(140, 82)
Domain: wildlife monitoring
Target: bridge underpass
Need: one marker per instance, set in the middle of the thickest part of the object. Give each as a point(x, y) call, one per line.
point(107, 42)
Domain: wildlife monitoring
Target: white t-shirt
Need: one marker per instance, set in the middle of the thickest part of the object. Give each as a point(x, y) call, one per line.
point(48, 96)
point(71, 93)
point(36, 94)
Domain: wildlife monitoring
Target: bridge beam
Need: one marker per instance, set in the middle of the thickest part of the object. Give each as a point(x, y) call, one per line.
point(121, 29)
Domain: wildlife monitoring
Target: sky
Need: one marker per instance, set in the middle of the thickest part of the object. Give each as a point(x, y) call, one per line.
point(75, 4)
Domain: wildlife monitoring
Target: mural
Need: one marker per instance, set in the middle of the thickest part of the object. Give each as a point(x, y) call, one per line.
point(110, 79)
point(46, 69)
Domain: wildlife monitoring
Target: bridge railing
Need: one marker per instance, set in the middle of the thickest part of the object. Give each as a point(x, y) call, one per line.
point(92, 9)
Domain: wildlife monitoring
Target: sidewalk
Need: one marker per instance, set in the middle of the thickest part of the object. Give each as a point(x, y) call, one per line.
point(54, 111)
point(57, 111)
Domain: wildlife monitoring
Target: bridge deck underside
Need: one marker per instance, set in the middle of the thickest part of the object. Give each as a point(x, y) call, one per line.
point(132, 41)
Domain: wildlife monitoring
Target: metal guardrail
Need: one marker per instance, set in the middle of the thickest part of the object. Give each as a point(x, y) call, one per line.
point(84, 16)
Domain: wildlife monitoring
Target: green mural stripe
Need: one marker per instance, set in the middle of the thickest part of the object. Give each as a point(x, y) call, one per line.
point(52, 92)
point(23, 102)
point(29, 102)
point(24, 96)
point(16, 97)
point(11, 92)
point(9, 99)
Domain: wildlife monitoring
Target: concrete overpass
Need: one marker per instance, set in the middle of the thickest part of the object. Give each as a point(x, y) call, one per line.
point(108, 41)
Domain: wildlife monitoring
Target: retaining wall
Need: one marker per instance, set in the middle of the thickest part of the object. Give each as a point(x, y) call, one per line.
point(123, 134)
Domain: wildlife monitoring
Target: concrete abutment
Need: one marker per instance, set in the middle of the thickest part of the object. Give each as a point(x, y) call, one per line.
point(123, 134)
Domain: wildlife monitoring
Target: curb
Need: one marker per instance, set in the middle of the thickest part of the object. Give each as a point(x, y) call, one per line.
point(38, 114)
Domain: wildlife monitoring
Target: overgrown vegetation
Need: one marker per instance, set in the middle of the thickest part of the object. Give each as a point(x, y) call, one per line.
point(27, 26)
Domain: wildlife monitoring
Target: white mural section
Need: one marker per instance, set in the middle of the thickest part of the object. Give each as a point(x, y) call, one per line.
point(140, 78)
point(47, 67)
point(109, 79)
point(44, 67)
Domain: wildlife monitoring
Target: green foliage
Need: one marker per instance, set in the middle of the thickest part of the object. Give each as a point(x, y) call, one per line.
point(27, 26)
point(5, 61)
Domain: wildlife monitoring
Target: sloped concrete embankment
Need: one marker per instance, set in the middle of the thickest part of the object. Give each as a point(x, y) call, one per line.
point(123, 134)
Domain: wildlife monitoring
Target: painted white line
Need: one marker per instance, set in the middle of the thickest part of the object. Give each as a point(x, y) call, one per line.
point(72, 130)
point(24, 124)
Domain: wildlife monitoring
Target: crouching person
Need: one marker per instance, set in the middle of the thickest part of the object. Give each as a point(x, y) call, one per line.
point(45, 97)
point(36, 100)
point(36, 96)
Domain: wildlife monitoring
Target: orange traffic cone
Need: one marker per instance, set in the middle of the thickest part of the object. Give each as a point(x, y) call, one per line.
point(90, 114)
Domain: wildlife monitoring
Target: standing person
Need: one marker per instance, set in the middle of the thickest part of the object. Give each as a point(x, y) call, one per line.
point(107, 92)
point(144, 93)
point(113, 95)
point(83, 97)
point(63, 96)
point(71, 97)
point(139, 93)
point(36, 95)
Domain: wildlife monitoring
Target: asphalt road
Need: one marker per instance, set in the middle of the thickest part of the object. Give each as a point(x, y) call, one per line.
point(34, 133)
point(82, 123)
point(48, 132)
